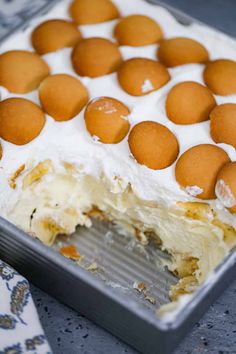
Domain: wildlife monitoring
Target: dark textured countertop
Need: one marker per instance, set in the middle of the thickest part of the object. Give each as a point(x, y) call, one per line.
point(70, 333)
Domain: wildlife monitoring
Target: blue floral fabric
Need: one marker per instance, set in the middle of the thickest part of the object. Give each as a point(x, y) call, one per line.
point(20, 329)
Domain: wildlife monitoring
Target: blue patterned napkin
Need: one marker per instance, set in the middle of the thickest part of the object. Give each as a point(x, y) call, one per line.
point(20, 329)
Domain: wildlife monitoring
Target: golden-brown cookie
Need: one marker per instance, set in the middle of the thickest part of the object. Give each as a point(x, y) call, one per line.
point(22, 71)
point(223, 124)
point(95, 57)
point(180, 50)
point(106, 119)
point(226, 186)
point(197, 168)
point(153, 145)
point(140, 76)
point(53, 35)
point(189, 102)
point(137, 30)
point(20, 120)
point(220, 76)
point(62, 96)
point(93, 11)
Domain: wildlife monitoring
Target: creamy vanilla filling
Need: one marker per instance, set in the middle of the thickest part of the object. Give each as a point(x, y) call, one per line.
point(54, 201)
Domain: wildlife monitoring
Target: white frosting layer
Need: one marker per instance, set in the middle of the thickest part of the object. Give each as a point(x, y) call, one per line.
point(71, 142)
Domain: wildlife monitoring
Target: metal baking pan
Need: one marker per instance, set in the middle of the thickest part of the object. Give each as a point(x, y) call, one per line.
point(106, 294)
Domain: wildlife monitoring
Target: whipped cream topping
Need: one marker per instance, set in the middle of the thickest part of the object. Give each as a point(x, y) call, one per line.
point(69, 141)
point(224, 194)
point(194, 190)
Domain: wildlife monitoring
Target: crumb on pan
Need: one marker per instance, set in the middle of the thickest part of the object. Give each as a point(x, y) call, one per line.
point(70, 252)
point(150, 299)
point(92, 267)
point(140, 286)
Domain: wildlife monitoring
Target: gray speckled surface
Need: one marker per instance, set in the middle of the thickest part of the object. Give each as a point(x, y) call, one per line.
point(70, 333)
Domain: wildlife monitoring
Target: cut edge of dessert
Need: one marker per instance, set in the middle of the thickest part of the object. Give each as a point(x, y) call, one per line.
point(55, 200)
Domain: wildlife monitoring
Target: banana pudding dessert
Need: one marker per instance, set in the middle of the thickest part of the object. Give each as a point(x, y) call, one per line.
point(114, 110)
